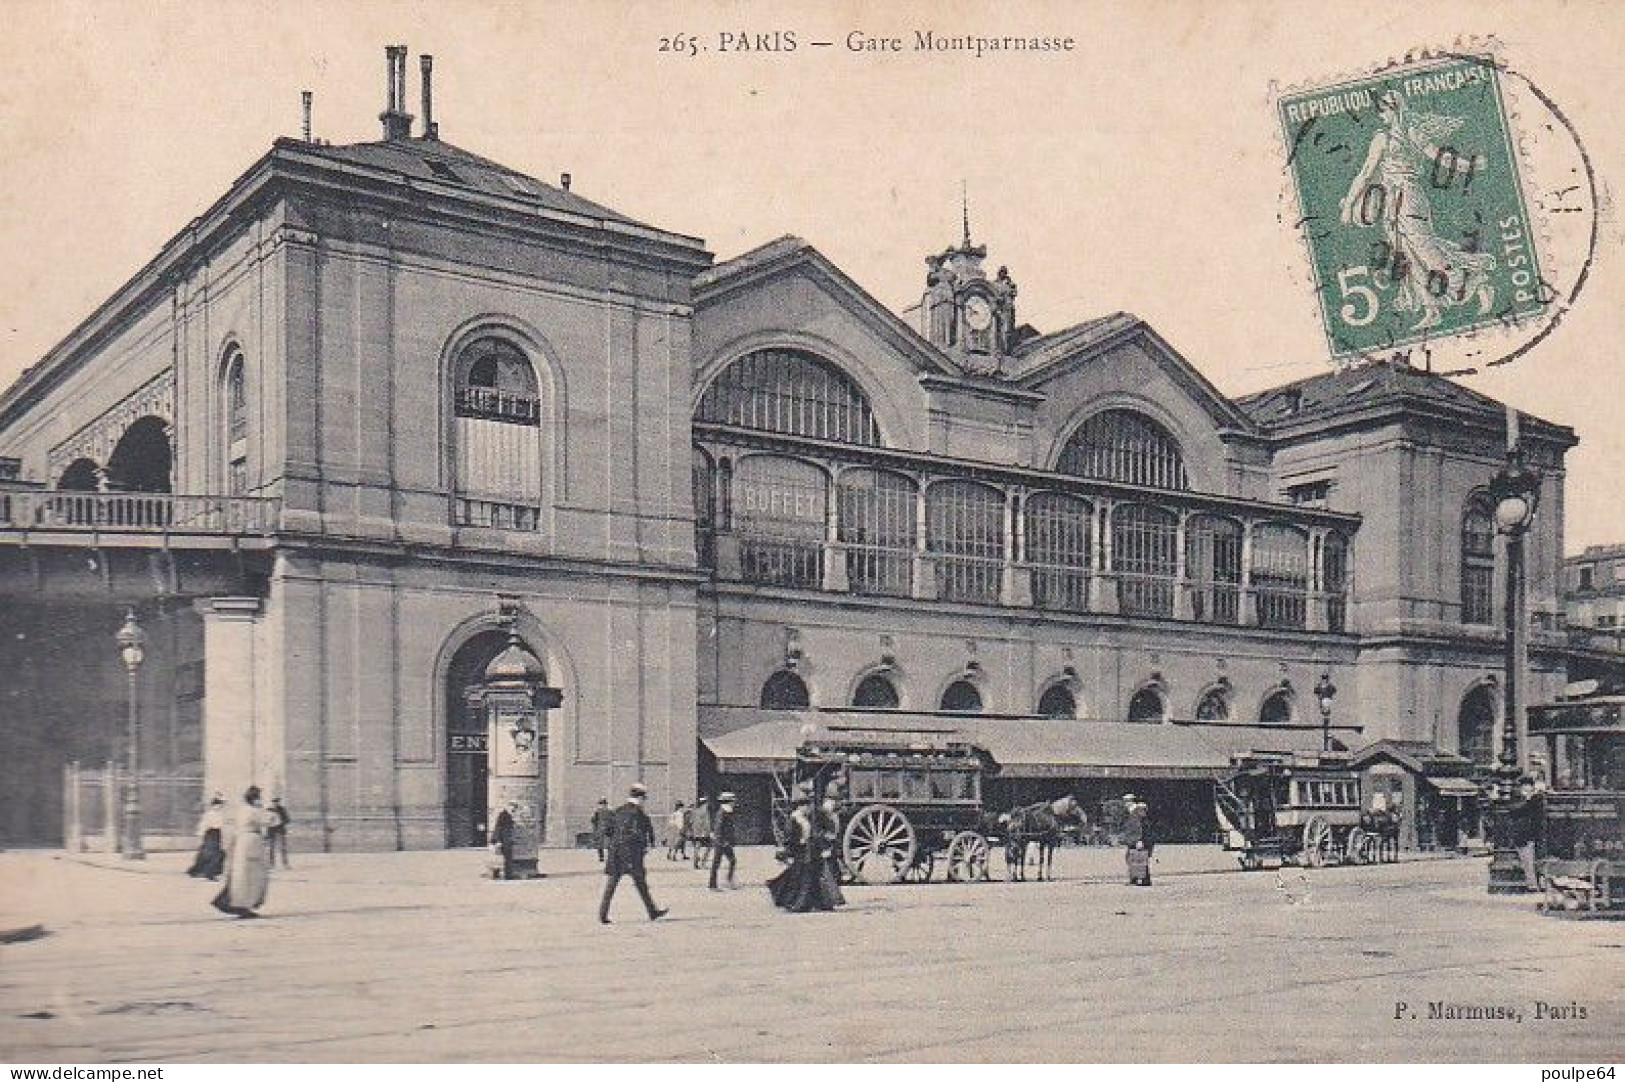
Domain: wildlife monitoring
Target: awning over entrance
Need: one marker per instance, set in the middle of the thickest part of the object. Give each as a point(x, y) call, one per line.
point(753, 741)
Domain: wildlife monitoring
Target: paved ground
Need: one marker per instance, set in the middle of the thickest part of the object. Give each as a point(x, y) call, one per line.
point(408, 957)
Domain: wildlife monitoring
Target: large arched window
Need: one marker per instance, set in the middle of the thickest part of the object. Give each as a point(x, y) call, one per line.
point(878, 526)
point(1144, 559)
point(1334, 562)
point(1478, 563)
point(1214, 705)
point(1475, 726)
point(142, 461)
point(498, 447)
point(1213, 563)
point(1276, 708)
point(234, 393)
point(779, 508)
point(876, 692)
point(1123, 445)
point(793, 392)
point(1057, 530)
point(1281, 575)
point(785, 690)
point(1058, 702)
point(1147, 705)
point(965, 529)
point(961, 697)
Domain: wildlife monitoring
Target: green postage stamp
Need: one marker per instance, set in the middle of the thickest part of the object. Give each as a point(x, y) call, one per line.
point(1408, 188)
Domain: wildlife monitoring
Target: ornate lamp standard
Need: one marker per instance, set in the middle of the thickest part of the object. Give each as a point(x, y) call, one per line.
point(132, 647)
point(1325, 692)
point(1516, 492)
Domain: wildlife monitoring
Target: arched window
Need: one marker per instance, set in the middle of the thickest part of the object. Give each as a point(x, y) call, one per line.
point(1058, 535)
point(793, 392)
point(965, 529)
point(1478, 563)
point(961, 697)
point(779, 507)
point(876, 692)
point(234, 392)
point(705, 510)
point(1276, 708)
point(1335, 581)
point(1122, 445)
point(785, 690)
point(1213, 563)
point(1057, 702)
point(497, 438)
point(1147, 705)
point(1281, 575)
point(1144, 559)
point(878, 526)
point(142, 461)
point(1214, 705)
point(1475, 726)
point(81, 475)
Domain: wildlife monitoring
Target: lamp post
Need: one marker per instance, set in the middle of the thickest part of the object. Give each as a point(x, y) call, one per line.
point(1516, 492)
point(1325, 692)
point(132, 647)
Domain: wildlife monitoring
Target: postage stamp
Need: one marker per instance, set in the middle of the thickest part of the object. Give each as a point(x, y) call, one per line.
point(1412, 205)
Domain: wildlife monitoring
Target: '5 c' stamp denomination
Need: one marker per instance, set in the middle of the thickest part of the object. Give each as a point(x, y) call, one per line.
point(1408, 186)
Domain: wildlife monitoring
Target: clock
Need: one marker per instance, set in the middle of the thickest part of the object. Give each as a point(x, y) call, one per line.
point(978, 314)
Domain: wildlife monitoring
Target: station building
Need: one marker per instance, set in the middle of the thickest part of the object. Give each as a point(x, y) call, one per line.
point(384, 405)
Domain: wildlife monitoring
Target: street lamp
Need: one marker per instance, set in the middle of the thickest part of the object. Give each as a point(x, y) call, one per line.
point(1516, 492)
point(1325, 692)
point(132, 647)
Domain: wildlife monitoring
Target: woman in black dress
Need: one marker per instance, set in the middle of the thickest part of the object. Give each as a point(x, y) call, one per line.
point(809, 882)
point(211, 852)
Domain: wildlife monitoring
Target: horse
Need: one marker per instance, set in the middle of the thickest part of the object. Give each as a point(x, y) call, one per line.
point(1043, 824)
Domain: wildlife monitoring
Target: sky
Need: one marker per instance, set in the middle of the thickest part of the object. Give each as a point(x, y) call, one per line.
point(1142, 171)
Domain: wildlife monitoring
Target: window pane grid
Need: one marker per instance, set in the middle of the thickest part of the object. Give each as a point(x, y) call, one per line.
point(1213, 564)
point(1477, 566)
point(780, 390)
point(966, 534)
point(1281, 575)
point(1144, 559)
point(779, 512)
point(1121, 445)
point(1058, 549)
point(494, 515)
point(1335, 570)
point(878, 527)
point(705, 524)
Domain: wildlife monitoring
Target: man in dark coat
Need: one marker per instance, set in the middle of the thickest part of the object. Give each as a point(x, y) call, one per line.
point(722, 839)
point(276, 835)
point(630, 836)
point(502, 839)
point(1137, 840)
point(601, 817)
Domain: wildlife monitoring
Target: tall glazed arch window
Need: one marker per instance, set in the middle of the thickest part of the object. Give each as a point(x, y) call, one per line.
point(793, 392)
point(1058, 548)
point(1281, 575)
point(1335, 581)
point(705, 510)
point(1213, 565)
point(779, 507)
point(1145, 559)
point(1478, 563)
point(498, 446)
point(234, 395)
point(1127, 446)
point(965, 532)
point(878, 527)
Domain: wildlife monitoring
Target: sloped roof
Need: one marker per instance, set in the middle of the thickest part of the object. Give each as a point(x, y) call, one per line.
point(1417, 756)
point(1034, 353)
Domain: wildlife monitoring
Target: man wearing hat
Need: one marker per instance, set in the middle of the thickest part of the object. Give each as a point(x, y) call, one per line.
point(630, 836)
point(722, 838)
point(601, 816)
point(1137, 841)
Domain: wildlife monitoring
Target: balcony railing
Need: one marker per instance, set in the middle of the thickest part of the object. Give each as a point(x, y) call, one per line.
point(137, 512)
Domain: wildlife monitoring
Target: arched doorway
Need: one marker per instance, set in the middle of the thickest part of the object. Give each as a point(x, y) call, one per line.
point(142, 460)
point(1475, 726)
point(80, 476)
point(467, 770)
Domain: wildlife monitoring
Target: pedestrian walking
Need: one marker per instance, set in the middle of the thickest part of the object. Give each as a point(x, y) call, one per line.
point(600, 826)
point(677, 833)
point(722, 839)
point(276, 835)
point(210, 860)
point(699, 832)
point(502, 832)
point(1137, 841)
point(631, 836)
point(248, 873)
point(1524, 821)
point(807, 884)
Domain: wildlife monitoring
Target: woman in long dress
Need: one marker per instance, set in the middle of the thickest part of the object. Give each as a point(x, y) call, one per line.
point(809, 882)
point(211, 852)
point(248, 874)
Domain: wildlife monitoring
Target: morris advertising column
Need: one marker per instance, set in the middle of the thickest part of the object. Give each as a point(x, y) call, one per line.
point(516, 705)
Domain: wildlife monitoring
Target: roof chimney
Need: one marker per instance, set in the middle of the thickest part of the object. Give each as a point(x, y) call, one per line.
point(397, 121)
point(431, 130)
point(304, 99)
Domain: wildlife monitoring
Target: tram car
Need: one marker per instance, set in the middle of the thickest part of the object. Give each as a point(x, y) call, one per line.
point(1582, 815)
point(903, 801)
point(1275, 809)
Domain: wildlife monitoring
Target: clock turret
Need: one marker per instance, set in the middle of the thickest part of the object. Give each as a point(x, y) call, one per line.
point(964, 313)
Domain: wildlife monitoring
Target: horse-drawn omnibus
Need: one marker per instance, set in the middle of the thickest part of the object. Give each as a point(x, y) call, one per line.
point(1582, 815)
point(1280, 807)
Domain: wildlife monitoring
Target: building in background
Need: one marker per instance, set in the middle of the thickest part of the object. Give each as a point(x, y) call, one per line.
point(383, 405)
